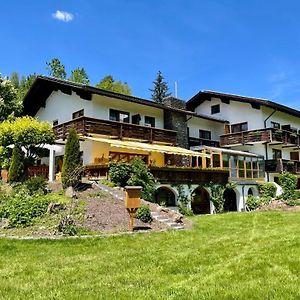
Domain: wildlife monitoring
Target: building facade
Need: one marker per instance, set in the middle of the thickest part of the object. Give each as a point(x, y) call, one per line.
point(213, 138)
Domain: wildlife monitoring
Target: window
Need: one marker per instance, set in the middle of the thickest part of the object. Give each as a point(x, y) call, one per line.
point(277, 153)
point(239, 127)
point(275, 125)
point(135, 119)
point(205, 134)
point(294, 156)
point(55, 122)
point(149, 121)
point(215, 109)
point(78, 114)
point(119, 116)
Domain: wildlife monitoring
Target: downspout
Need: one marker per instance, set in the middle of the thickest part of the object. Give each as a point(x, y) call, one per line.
point(266, 146)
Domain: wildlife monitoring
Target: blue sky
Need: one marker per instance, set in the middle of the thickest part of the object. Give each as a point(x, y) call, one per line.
point(243, 47)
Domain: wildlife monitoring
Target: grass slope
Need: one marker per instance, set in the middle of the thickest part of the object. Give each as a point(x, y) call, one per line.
point(229, 256)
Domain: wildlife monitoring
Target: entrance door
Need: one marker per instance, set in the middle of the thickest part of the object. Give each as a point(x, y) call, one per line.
point(200, 201)
point(230, 200)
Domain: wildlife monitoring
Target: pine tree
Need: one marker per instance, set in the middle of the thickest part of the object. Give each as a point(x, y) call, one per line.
point(72, 162)
point(16, 169)
point(160, 89)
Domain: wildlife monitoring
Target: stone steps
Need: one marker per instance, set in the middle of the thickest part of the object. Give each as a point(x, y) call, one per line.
point(166, 220)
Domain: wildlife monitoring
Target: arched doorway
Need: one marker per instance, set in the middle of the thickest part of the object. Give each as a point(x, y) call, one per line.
point(230, 200)
point(200, 201)
point(251, 191)
point(165, 196)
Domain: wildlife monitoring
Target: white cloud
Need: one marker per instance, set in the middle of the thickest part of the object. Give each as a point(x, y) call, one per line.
point(63, 16)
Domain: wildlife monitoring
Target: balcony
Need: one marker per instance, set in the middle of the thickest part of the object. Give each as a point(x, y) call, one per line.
point(271, 136)
point(189, 175)
point(202, 142)
point(113, 129)
point(282, 165)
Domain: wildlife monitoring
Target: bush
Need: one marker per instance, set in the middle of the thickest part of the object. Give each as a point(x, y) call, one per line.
point(67, 226)
point(288, 182)
point(185, 211)
point(253, 202)
point(72, 162)
point(16, 169)
point(36, 185)
point(293, 202)
point(21, 208)
point(137, 173)
point(267, 189)
point(120, 173)
point(144, 214)
point(141, 176)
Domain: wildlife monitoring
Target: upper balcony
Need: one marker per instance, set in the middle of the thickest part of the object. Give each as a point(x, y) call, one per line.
point(271, 136)
point(202, 142)
point(85, 125)
point(282, 165)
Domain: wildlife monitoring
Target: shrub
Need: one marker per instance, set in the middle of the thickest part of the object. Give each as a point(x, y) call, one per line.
point(36, 185)
point(217, 196)
point(144, 214)
point(185, 211)
point(141, 176)
point(288, 182)
point(72, 162)
point(107, 183)
point(267, 189)
point(253, 202)
point(16, 169)
point(293, 202)
point(21, 208)
point(67, 226)
point(120, 173)
point(137, 173)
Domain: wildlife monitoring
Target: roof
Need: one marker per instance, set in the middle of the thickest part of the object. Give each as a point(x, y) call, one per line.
point(255, 102)
point(225, 150)
point(43, 86)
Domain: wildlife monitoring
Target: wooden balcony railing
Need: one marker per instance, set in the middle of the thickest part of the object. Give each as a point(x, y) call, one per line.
point(199, 142)
point(189, 175)
point(268, 135)
point(282, 165)
point(113, 129)
point(33, 171)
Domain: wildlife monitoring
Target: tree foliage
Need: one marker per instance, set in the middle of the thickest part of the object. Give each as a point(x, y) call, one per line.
point(79, 75)
point(16, 169)
point(108, 83)
point(14, 78)
point(72, 161)
point(56, 69)
point(26, 132)
point(160, 89)
point(25, 84)
point(10, 105)
point(288, 182)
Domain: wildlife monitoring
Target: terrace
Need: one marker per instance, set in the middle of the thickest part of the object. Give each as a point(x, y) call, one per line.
point(118, 130)
point(271, 136)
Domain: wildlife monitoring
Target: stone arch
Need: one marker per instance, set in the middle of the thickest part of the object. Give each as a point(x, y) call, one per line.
point(230, 200)
point(165, 195)
point(252, 191)
point(200, 203)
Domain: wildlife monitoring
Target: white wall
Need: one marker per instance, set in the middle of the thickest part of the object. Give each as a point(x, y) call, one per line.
point(101, 106)
point(60, 106)
point(234, 112)
point(195, 124)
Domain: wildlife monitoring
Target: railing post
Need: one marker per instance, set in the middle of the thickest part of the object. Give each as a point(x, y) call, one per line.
point(151, 135)
point(121, 131)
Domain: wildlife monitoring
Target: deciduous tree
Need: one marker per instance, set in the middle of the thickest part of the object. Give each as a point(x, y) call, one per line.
point(108, 83)
point(79, 75)
point(56, 69)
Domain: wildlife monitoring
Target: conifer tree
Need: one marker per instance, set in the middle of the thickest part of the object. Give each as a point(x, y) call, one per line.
point(160, 89)
point(16, 169)
point(72, 162)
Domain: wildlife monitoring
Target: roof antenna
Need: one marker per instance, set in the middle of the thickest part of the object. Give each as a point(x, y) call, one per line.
point(175, 90)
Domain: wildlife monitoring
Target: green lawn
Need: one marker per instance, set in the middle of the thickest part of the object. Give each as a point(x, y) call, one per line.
point(230, 256)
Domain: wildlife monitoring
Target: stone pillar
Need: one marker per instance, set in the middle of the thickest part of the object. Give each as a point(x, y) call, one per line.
point(51, 165)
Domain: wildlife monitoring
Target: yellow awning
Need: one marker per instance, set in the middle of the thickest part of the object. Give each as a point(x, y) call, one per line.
point(146, 147)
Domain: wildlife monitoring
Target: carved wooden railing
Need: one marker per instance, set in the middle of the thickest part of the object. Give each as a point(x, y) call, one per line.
point(120, 130)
